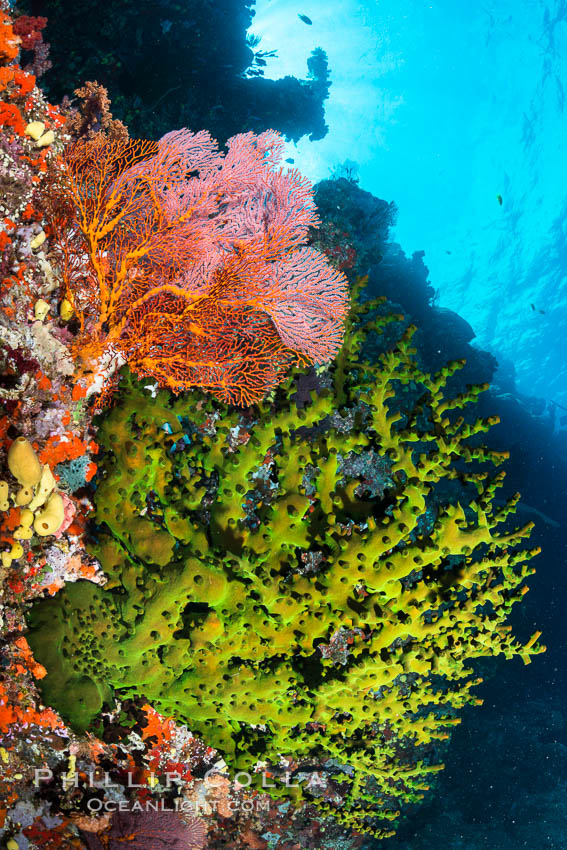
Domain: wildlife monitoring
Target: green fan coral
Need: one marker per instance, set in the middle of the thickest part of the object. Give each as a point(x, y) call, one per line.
point(243, 548)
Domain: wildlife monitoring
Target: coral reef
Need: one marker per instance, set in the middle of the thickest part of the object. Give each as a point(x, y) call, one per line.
point(42, 422)
point(327, 575)
point(209, 614)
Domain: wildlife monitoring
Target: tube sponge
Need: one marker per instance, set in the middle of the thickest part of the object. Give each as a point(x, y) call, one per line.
point(45, 486)
point(24, 496)
point(23, 462)
point(49, 520)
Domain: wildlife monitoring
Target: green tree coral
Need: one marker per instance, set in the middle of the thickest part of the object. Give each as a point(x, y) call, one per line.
point(241, 547)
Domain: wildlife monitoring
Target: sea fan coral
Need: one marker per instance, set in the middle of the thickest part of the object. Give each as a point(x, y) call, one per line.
point(187, 264)
point(148, 830)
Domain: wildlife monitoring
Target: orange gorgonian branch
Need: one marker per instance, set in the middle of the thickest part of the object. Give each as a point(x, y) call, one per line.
point(188, 264)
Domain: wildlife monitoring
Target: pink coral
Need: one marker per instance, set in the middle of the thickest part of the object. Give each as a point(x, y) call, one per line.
point(68, 516)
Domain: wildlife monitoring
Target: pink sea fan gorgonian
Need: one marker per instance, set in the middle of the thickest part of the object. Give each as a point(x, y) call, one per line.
point(191, 265)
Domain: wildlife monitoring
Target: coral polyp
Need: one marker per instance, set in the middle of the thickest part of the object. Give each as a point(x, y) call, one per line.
point(305, 583)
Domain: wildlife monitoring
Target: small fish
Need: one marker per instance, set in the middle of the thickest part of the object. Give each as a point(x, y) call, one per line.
point(290, 160)
point(499, 199)
point(535, 309)
point(305, 19)
point(448, 252)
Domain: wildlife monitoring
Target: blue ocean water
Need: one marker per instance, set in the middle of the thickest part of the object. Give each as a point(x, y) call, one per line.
point(447, 107)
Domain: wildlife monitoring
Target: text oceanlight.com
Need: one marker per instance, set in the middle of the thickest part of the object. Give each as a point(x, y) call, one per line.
point(258, 804)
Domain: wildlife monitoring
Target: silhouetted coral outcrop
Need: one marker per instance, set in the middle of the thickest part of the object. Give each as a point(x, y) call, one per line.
point(168, 65)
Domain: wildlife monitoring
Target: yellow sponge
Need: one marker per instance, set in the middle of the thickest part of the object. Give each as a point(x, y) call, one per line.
point(51, 517)
point(23, 462)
